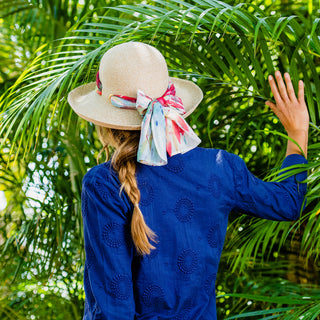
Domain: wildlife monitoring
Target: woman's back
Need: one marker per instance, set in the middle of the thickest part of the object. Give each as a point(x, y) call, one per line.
point(186, 203)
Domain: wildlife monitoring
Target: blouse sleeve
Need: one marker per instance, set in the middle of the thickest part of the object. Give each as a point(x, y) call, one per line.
point(108, 248)
point(279, 201)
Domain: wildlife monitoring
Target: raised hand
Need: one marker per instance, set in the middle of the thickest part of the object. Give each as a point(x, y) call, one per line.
point(291, 111)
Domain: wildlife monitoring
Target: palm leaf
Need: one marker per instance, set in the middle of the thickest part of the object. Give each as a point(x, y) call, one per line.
point(228, 50)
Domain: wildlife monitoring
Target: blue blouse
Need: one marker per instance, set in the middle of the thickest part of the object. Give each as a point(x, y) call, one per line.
point(186, 203)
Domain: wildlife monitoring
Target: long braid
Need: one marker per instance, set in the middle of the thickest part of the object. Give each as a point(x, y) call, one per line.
point(124, 162)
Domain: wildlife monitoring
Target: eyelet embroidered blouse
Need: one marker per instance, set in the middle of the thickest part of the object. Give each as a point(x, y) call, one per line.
point(186, 203)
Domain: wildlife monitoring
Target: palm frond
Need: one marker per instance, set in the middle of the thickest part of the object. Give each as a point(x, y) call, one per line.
point(229, 50)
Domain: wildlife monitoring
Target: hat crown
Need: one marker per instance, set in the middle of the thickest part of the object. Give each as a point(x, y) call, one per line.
point(133, 66)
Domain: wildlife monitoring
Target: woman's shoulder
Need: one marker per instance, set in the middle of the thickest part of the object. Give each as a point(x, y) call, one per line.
point(101, 172)
point(214, 154)
point(102, 181)
point(207, 161)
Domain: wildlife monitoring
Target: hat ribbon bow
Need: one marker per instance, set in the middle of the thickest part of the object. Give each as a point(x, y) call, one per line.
point(163, 129)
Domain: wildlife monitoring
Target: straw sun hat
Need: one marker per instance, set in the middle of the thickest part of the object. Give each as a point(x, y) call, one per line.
point(123, 70)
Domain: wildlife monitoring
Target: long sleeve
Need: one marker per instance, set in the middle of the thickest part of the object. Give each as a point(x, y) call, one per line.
point(279, 201)
point(108, 247)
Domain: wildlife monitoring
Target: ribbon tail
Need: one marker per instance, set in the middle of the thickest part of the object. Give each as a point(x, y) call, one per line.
point(180, 136)
point(152, 149)
point(158, 126)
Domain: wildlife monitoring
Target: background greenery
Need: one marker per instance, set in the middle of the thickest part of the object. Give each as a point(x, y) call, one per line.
point(47, 47)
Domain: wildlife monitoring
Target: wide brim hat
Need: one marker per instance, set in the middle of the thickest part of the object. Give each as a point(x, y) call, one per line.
point(123, 70)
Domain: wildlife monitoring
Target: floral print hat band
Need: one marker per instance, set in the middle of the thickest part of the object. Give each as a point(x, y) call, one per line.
point(163, 129)
point(135, 92)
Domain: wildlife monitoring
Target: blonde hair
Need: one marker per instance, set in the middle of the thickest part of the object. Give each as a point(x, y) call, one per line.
point(124, 162)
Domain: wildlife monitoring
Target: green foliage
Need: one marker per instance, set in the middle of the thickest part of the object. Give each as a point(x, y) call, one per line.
point(228, 49)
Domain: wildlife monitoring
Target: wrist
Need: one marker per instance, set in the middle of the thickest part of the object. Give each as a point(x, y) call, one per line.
point(298, 132)
point(301, 138)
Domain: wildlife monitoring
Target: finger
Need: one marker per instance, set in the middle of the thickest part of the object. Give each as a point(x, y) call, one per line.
point(290, 88)
point(278, 112)
point(274, 90)
point(273, 107)
point(281, 85)
point(301, 91)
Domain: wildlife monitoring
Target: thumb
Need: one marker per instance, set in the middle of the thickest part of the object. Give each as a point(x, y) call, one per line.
point(271, 105)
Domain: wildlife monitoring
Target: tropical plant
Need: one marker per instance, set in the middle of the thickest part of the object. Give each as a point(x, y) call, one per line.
point(228, 49)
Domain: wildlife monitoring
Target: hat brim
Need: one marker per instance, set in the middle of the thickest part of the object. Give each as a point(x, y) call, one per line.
point(91, 106)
